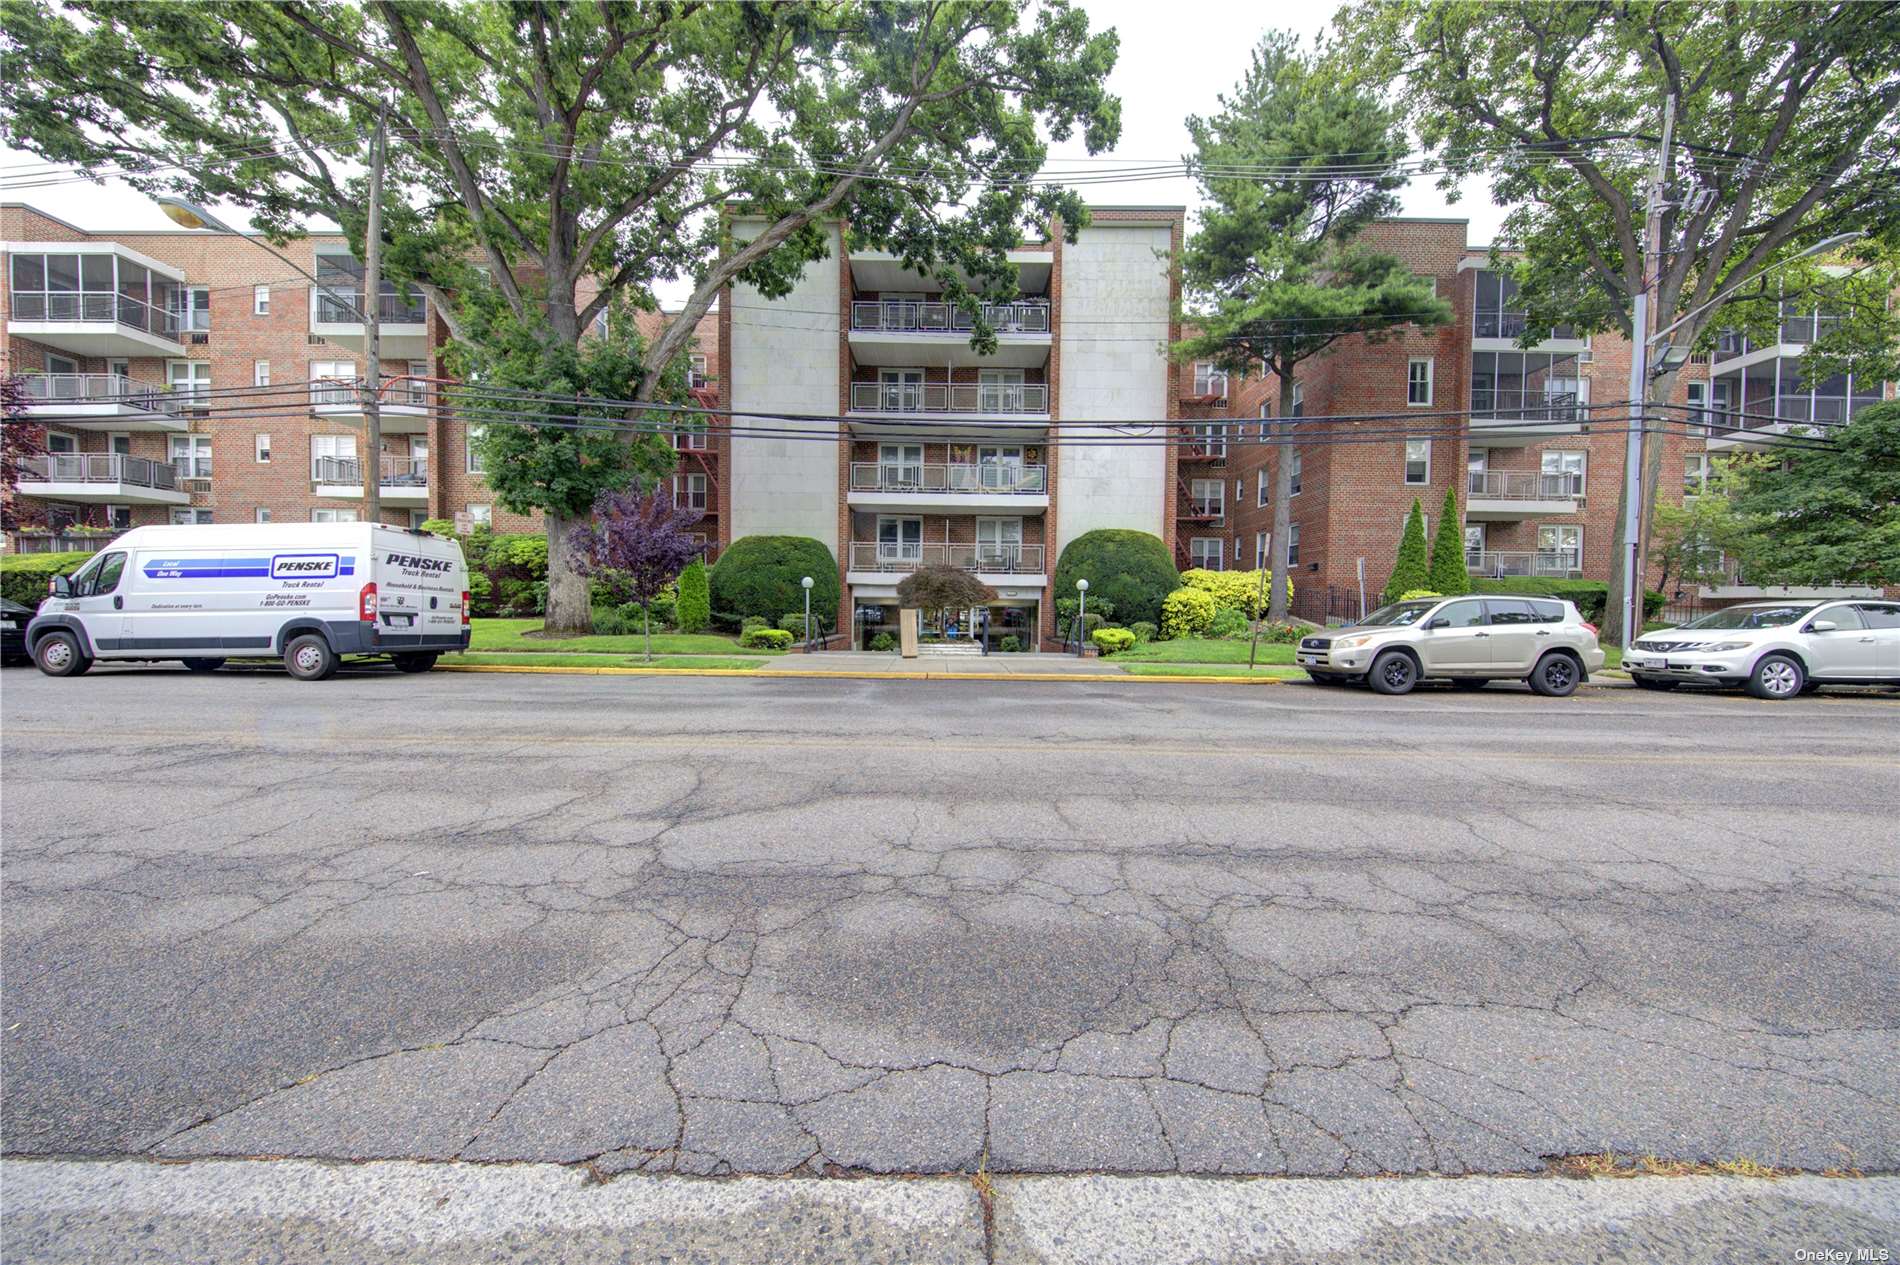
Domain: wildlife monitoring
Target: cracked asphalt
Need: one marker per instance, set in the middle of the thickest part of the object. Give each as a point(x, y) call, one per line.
point(767, 927)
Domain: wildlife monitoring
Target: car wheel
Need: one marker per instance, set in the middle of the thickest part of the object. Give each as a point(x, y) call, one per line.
point(59, 654)
point(1653, 683)
point(309, 658)
point(1776, 677)
point(1470, 682)
point(413, 662)
point(1393, 673)
point(1555, 676)
point(204, 665)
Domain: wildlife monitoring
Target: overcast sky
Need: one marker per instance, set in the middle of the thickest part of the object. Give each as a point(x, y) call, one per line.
point(1176, 58)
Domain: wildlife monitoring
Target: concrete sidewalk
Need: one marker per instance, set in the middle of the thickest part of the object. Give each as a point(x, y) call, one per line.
point(859, 662)
point(448, 1214)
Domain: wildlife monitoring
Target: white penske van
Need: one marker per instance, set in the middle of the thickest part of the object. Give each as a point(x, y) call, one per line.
point(307, 593)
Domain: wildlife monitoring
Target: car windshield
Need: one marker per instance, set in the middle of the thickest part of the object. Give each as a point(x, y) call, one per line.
point(1753, 616)
point(1397, 614)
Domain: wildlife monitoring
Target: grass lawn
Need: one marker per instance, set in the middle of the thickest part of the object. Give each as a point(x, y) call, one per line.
point(508, 634)
point(1202, 650)
point(556, 660)
point(1207, 669)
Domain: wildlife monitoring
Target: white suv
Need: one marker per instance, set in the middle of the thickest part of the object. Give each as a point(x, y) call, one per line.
point(1468, 641)
point(1776, 649)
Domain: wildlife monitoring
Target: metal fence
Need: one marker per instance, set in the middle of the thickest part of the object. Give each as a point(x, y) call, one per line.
point(1326, 603)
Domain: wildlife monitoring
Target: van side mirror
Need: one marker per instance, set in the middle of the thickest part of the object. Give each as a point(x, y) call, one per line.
point(61, 586)
point(1823, 625)
point(1438, 621)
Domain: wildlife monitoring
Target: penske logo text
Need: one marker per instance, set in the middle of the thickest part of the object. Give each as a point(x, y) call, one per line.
point(303, 566)
point(411, 562)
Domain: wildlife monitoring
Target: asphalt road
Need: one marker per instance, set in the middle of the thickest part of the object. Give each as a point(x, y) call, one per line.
point(720, 925)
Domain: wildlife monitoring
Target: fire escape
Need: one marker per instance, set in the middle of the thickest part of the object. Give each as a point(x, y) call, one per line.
point(698, 449)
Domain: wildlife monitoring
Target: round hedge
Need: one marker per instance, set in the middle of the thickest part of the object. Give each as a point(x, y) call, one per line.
point(1130, 570)
point(759, 575)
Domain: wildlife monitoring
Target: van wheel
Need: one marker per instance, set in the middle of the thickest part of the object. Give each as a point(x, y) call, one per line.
point(1393, 673)
point(1555, 676)
point(309, 658)
point(413, 662)
point(58, 654)
point(1470, 682)
point(1776, 677)
point(1653, 682)
point(204, 665)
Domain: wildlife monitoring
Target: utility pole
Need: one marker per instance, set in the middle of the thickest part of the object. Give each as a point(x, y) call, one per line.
point(372, 326)
point(1635, 503)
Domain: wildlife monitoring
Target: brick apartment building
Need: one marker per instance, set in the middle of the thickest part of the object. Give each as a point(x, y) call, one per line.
point(190, 376)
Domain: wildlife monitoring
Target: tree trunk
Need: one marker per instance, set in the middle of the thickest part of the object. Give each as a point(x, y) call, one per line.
point(1612, 631)
point(646, 626)
point(1282, 505)
point(570, 613)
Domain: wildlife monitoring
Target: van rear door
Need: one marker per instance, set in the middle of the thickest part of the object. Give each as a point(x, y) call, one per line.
point(419, 585)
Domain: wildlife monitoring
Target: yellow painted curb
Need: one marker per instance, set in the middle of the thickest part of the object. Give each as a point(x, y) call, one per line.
point(861, 676)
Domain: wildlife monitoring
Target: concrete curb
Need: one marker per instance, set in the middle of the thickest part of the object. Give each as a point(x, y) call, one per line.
point(758, 673)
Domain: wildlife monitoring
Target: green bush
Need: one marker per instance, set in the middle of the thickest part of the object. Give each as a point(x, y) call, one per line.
point(1229, 622)
point(1129, 571)
point(481, 594)
point(443, 527)
point(750, 622)
point(1590, 596)
point(1143, 630)
point(1418, 595)
point(883, 642)
point(794, 624)
point(612, 621)
point(1448, 573)
point(766, 639)
point(24, 576)
point(1187, 613)
point(693, 610)
point(1008, 645)
point(1233, 590)
point(1099, 613)
point(759, 575)
point(1282, 634)
point(1109, 640)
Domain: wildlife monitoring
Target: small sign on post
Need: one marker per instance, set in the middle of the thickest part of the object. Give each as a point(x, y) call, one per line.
point(464, 522)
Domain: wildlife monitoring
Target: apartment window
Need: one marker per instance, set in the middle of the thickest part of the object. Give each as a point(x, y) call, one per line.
point(1563, 473)
point(1698, 468)
point(1209, 379)
point(328, 453)
point(191, 456)
point(1532, 385)
point(260, 300)
point(1418, 381)
point(192, 306)
point(61, 364)
point(1561, 545)
point(1474, 540)
point(185, 517)
point(1266, 419)
point(1205, 552)
point(333, 382)
point(1236, 550)
point(190, 380)
point(260, 373)
point(61, 441)
point(1299, 400)
point(119, 516)
point(1293, 545)
point(1260, 540)
point(1261, 494)
point(1699, 402)
point(1418, 461)
point(1240, 491)
point(698, 375)
point(474, 454)
point(262, 515)
point(1205, 496)
point(263, 448)
point(332, 516)
point(689, 491)
point(482, 515)
point(1293, 471)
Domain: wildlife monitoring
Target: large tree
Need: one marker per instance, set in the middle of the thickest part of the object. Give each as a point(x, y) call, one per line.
point(1784, 130)
point(1293, 167)
point(553, 163)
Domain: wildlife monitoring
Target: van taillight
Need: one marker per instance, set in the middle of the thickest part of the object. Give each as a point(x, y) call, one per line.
point(366, 602)
point(465, 608)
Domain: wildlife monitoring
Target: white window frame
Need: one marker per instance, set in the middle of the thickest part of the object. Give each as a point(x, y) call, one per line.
point(190, 381)
point(192, 449)
point(696, 370)
point(1264, 495)
point(260, 373)
point(1262, 542)
point(260, 447)
point(1296, 470)
point(1695, 474)
point(1292, 546)
point(471, 457)
point(261, 514)
point(1406, 467)
point(56, 363)
point(260, 300)
point(900, 551)
point(1558, 530)
point(333, 382)
point(1198, 555)
point(908, 385)
point(688, 488)
point(1299, 400)
point(1210, 379)
point(1474, 530)
point(333, 516)
point(186, 517)
point(483, 514)
point(67, 441)
point(1198, 497)
point(1413, 380)
point(1581, 473)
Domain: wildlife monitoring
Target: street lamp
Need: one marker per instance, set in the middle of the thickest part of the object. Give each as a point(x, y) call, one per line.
point(806, 585)
point(1081, 615)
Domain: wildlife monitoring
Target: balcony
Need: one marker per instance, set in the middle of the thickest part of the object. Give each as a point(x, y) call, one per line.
point(1494, 564)
point(951, 398)
point(97, 478)
point(1502, 414)
point(406, 406)
point(902, 331)
point(403, 322)
point(31, 540)
point(957, 488)
point(871, 557)
point(1500, 495)
point(102, 401)
point(94, 323)
point(404, 481)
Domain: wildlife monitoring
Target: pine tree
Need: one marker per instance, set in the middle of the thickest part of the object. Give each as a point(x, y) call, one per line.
point(1413, 569)
point(1449, 575)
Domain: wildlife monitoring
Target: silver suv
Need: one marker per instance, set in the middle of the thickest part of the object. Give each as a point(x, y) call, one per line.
point(1776, 649)
point(1541, 641)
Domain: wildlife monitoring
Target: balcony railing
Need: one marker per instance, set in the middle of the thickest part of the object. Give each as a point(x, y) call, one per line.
point(871, 555)
point(98, 388)
point(930, 316)
point(1530, 406)
point(391, 309)
point(98, 467)
point(29, 541)
point(1528, 485)
point(94, 307)
point(1004, 478)
point(348, 471)
point(1493, 323)
point(947, 397)
point(332, 392)
point(1497, 564)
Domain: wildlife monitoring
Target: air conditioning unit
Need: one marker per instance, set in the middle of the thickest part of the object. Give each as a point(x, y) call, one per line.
point(200, 340)
point(316, 340)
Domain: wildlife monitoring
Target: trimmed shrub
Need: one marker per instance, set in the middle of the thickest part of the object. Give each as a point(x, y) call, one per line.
point(1229, 622)
point(766, 639)
point(1109, 640)
point(481, 594)
point(794, 624)
point(1143, 630)
point(443, 527)
point(883, 643)
point(1413, 568)
point(1448, 573)
point(1233, 590)
point(754, 621)
point(1130, 572)
point(694, 607)
point(612, 621)
point(1187, 613)
point(1099, 614)
point(1419, 595)
point(1008, 645)
point(24, 576)
point(759, 575)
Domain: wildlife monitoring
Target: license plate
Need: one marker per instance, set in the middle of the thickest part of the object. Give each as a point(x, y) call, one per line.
point(402, 621)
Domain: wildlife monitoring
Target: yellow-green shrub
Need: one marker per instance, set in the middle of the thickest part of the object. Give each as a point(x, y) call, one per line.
point(1187, 612)
point(765, 639)
point(1416, 595)
point(1233, 590)
point(1109, 640)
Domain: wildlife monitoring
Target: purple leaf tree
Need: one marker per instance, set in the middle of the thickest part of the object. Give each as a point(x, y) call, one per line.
point(19, 441)
point(639, 542)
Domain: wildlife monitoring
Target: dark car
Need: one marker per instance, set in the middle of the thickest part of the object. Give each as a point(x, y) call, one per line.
point(13, 617)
